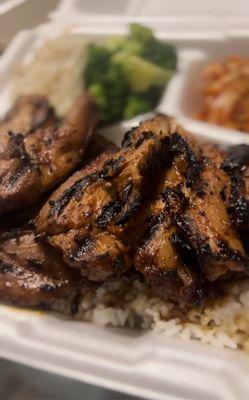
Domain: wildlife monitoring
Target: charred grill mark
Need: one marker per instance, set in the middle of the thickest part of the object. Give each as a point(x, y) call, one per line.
point(49, 287)
point(149, 233)
point(112, 167)
point(236, 162)
point(11, 234)
point(239, 206)
point(17, 150)
point(174, 199)
point(239, 211)
point(126, 142)
point(130, 210)
point(144, 136)
point(169, 273)
point(153, 224)
point(83, 241)
point(17, 147)
point(154, 165)
point(185, 251)
point(42, 112)
point(201, 189)
point(18, 174)
point(127, 191)
point(103, 256)
point(225, 251)
point(57, 206)
point(201, 247)
point(238, 157)
point(176, 285)
point(5, 268)
point(34, 264)
point(85, 244)
point(196, 243)
point(166, 156)
point(108, 214)
point(180, 146)
point(223, 193)
point(118, 263)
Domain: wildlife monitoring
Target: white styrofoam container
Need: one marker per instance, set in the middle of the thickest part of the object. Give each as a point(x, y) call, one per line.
point(8, 5)
point(143, 363)
point(190, 19)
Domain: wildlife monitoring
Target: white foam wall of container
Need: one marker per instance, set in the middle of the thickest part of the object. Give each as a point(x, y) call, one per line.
point(145, 364)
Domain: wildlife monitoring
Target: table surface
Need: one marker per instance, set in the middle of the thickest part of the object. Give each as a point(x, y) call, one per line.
point(18, 382)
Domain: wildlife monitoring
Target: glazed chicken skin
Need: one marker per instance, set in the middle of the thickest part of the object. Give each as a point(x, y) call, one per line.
point(236, 165)
point(37, 152)
point(175, 229)
point(90, 217)
point(205, 223)
point(207, 228)
point(27, 114)
point(190, 240)
point(31, 273)
point(161, 204)
point(97, 145)
point(164, 259)
point(66, 222)
point(162, 256)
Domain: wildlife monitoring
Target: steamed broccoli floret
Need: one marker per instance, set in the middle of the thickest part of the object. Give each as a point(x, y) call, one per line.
point(138, 38)
point(106, 82)
point(136, 105)
point(127, 75)
point(142, 42)
point(153, 95)
point(141, 103)
point(140, 73)
point(115, 43)
point(141, 33)
point(162, 54)
point(97, 63)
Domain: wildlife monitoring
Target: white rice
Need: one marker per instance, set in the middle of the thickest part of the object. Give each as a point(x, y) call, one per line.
point(119, 304)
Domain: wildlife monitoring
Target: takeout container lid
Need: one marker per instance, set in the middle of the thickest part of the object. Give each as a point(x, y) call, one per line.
point(187, 19)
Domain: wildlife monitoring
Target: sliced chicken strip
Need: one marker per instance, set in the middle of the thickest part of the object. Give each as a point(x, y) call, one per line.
point(37, 153)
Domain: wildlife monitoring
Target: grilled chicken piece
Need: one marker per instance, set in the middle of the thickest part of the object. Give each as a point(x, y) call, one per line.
point(162, 256)
point(98, 145)
point(189, 239)
point(28, 114)
point(205, 224)
point(36, 153)
point(163, 261)
point(89, 218)
point(31, 273)
point(179, 220)
point(68, 220)
point(214, 153)
point(236, 166)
